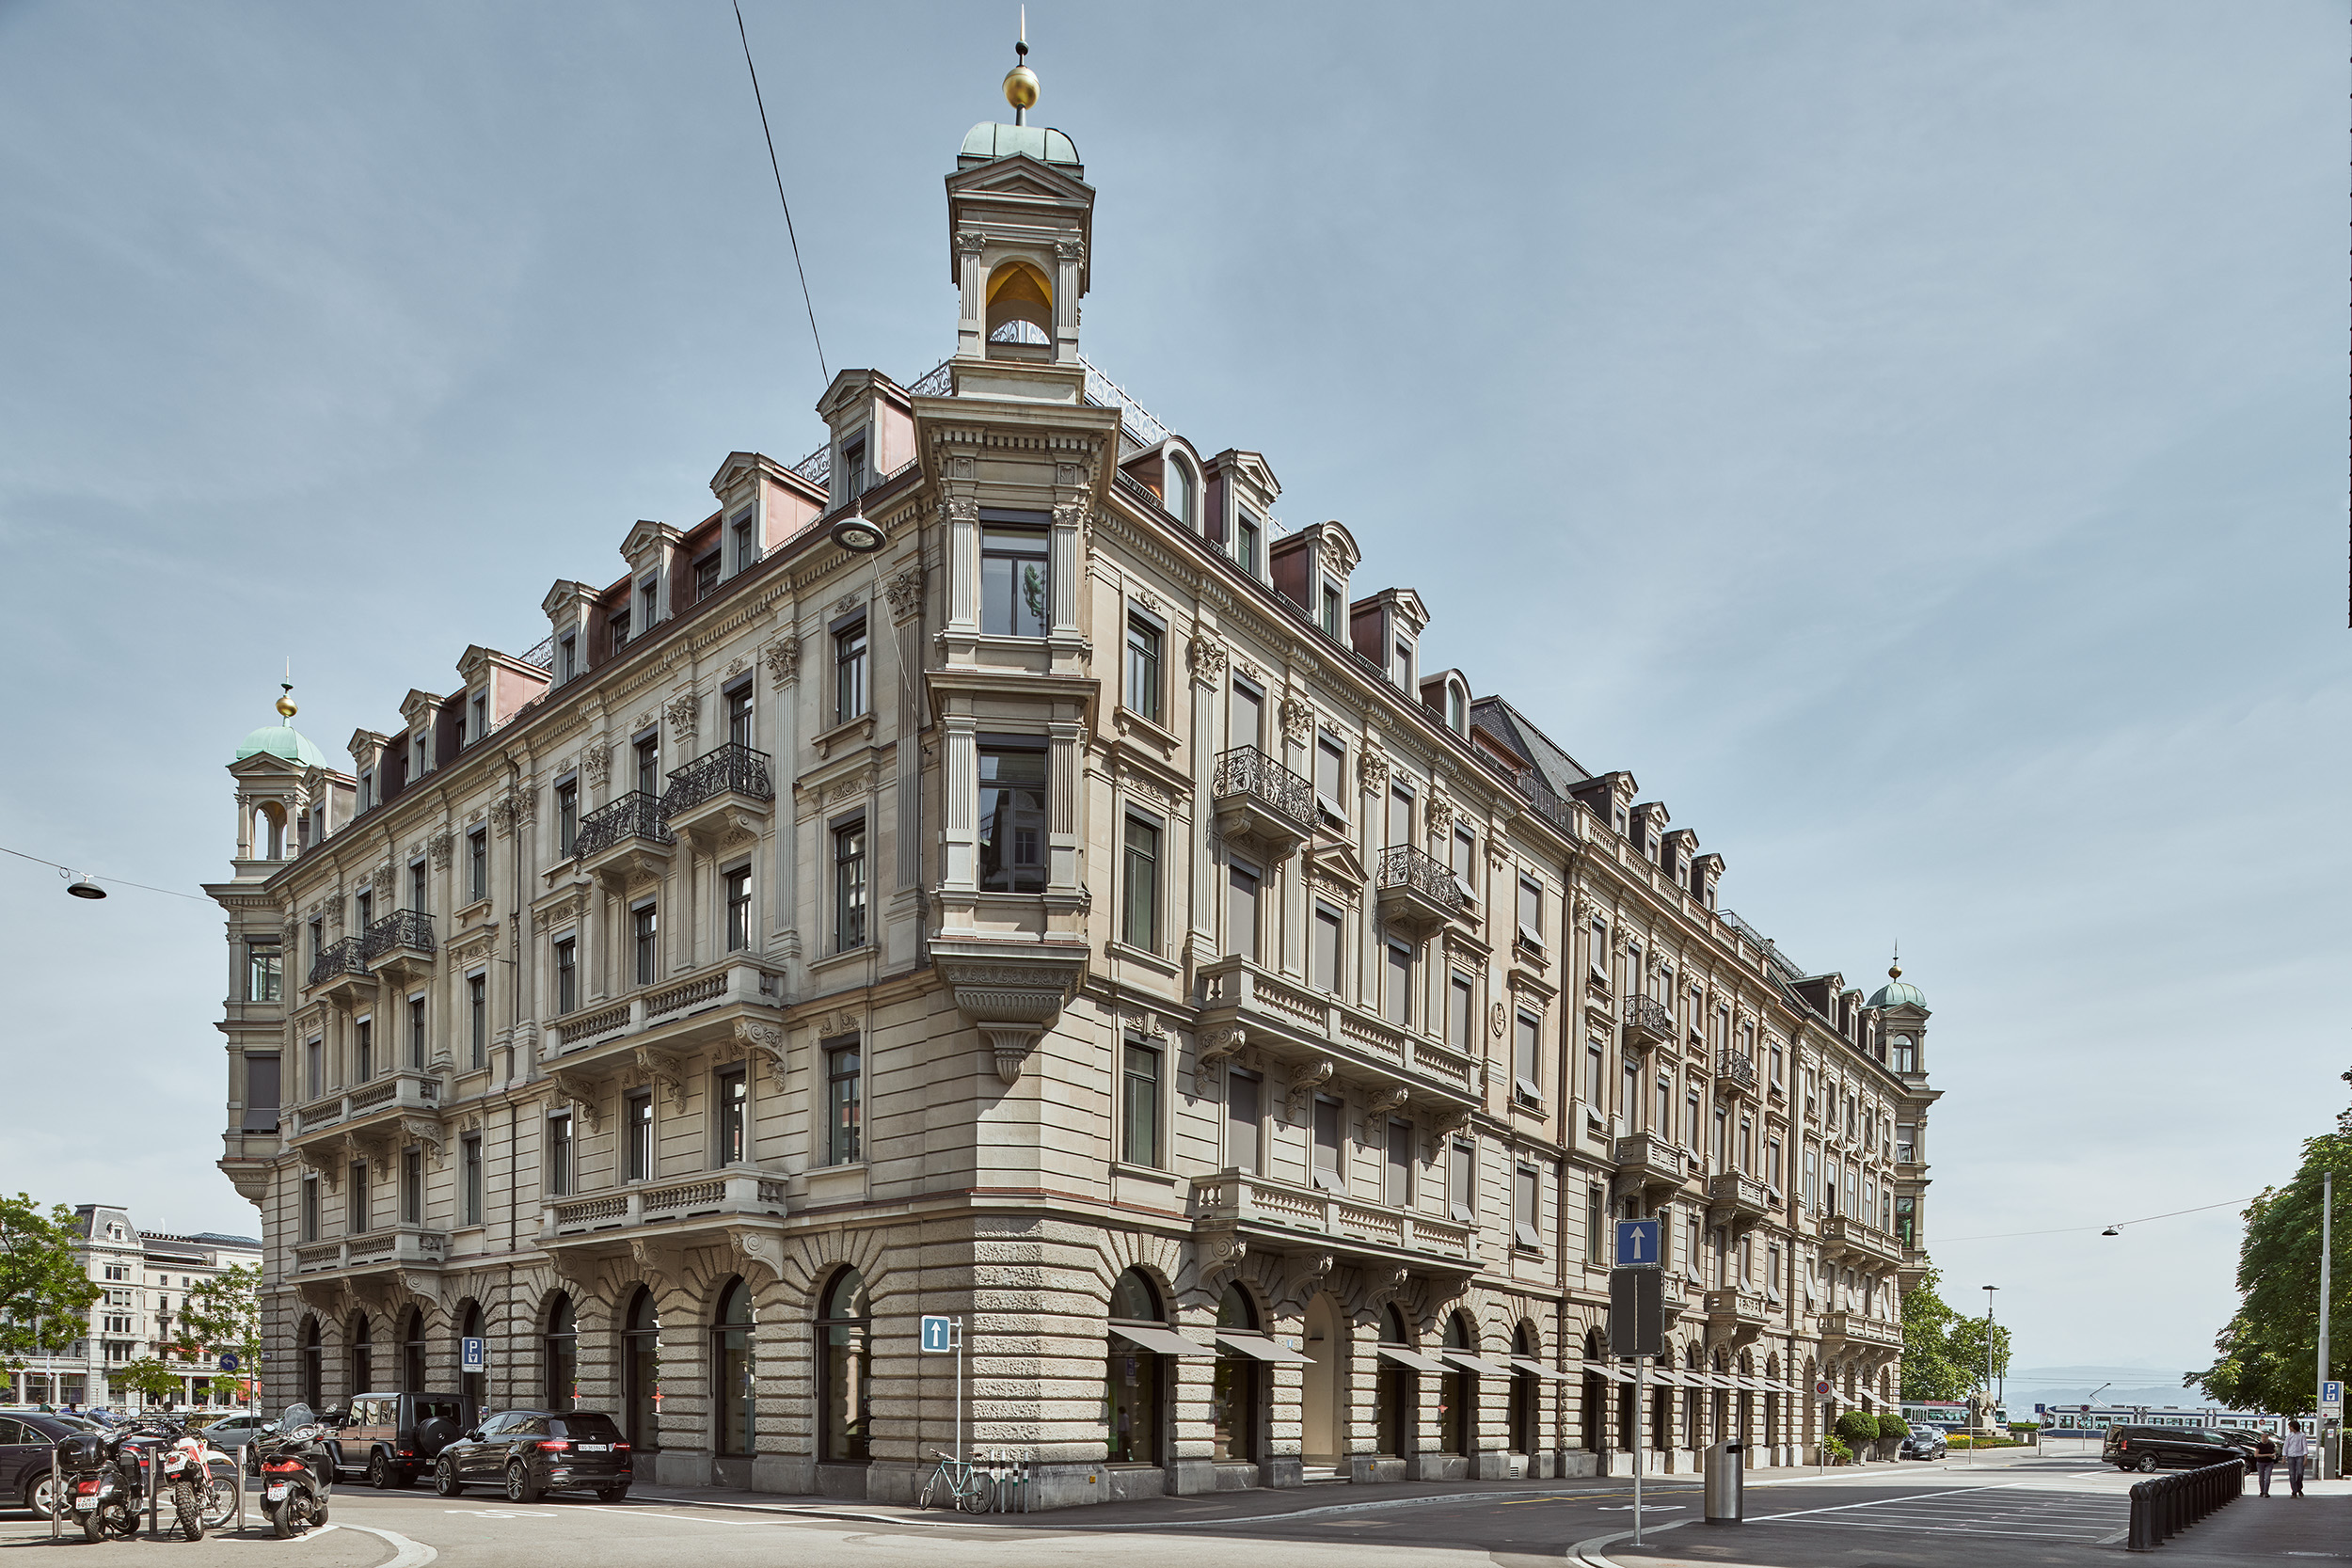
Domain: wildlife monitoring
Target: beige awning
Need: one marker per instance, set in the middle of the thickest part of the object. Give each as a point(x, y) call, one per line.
point(1413, 1358)
point(1520, 1362)
point(1470, 1363)
point(1160, 1341)
point(1263, 1346)
point(1602, 1369)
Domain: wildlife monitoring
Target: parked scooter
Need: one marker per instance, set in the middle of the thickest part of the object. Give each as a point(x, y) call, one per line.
point(297, 1473)
point(104, 1479)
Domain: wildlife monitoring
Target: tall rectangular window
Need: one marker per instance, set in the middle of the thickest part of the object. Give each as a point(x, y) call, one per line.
point(1400, 984)
point(1812, 1180)
point(479, 729)
point(1248, 535)
point(637, 1133)
point(261, 1093)
point(1466, 860)
point(707, 577)
point(363, 1050)
point(1241, 912)
point(1461, 1017)
point(1140, 911)
point(567, 658)
point(848, 887)
point(1329, 1119)
point(1330, 611)
point(412, 1186)
point(566, 815)
point(844, 1105)
point(1720, 1155)
point(469, 1179)
point(1630, 1100)
point(1527, 1053)
point(644, 942)
point(1016, 599)
point(1325, 958)
point(566, 976)
point(849, 672)
point(478, 1020)
point(647, 749)
point(1594, 1054)
point(1771, 1163)
point(1461, 1182)
point(415, 1033)
point(1144, 641)
point(264, 970)
point(1013, 814)
point(1396, 1178)
point(311, 1208)
point(649, 601)
point(746, 548)
point(416, 886)
point(1596, 1227)
point(1906, 1142)
point(363, 911)
point(1527, 1208)
point(361, 1207)
point(1244, 716)
point(741, 716)
point(1530, 911)
point(1665, 1106)
point(617, 629)
point(1140, 1082)
point(313, 1070)
point(739, 901)
point(1400, 816)
point(1332, 775)
point(1241, 1119)
point(854, 469)
point(731, 1104)
point(560, 1154)
point(478, 864)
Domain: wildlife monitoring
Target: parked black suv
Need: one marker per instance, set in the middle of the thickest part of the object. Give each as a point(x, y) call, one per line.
point(2129, 1448)
point(394, 1438)
point(526, 1453)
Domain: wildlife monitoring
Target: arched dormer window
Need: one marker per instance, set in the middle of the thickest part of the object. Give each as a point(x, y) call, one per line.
point(1456, 707)
point(1177, 490)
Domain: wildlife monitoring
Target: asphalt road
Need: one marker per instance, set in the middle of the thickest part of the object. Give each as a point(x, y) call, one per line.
point(2024, 1511)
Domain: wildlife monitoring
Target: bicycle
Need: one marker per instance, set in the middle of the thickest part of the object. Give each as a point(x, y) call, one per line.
point(954, 1484)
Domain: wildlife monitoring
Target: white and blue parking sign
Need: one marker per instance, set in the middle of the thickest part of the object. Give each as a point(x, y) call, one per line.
point(1637, 1243)
point(470, 1358)
point(2331, 1396)
point(936, 1335)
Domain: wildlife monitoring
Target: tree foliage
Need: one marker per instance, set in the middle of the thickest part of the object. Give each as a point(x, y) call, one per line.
point(1943, 1352)
point(224, 1313)
point(2270, 1349)
point(45, 1289)
point(147, 1376)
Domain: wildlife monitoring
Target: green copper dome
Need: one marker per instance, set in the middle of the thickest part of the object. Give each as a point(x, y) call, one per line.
point(985, 143)
point(281, 740)
point(1899, 993)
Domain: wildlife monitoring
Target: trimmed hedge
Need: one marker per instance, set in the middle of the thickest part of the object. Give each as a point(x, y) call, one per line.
point(1891, 1425)
point(1858, 1426)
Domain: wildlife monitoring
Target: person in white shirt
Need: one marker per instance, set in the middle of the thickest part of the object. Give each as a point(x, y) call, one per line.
point(2296, 1450)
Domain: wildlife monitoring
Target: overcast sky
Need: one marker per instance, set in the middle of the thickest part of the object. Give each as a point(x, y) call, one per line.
point(1911, 438)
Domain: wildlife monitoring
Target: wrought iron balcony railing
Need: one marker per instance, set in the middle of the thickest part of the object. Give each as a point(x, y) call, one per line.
point(1646, 1015)
point(1736, 1069)
point(1401, 866)
point(337, 957)
point(1246, 771)
point(731, 767)
point(401, 928)
point(635, 815)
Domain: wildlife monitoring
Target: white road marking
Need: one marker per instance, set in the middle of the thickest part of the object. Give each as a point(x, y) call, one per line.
point(406, 1553)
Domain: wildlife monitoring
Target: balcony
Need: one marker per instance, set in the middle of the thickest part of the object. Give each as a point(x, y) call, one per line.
point(1865, 1246)
point(341, 972)
point(624, 839)
point(1852, 1328)
point(328, 1130)
point(400, 946)
point(1648, 1164)
point(321, 1271)
point(719, 796)
point(1417, 891)
point(1734, 1075)
point(700, 1009)
point(695, 1210)
point(1244, 1005)
point(1914, 1268)
point(1286, 1218)
point(1738, 1201)
point(1648, 1023)
point(1736, 1318)
point(1260, 802)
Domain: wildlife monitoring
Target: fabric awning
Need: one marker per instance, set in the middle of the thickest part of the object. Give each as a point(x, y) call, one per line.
point(1602, 1369)
point(1670, 1376)
point(1160, 1341)
point(1752, 1384)
point(1520, 1362)
point(1868, 1398)
point(1263, 1346)
point(1413, 1358)
point(1470, 1363)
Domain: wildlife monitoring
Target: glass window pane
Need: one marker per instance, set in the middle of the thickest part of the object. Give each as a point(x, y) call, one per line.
point(1012, 818)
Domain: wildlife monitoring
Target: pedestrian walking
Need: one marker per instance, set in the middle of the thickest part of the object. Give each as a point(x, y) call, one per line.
point(2266, 1455)
point(2296, 1449)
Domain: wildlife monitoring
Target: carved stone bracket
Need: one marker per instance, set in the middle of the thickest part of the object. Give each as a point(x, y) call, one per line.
point(1219, 1251)
point(427, 1132)
point(1388, 1101)
point(684, 713)
point(596, 761)
point(667, 1070)
point(764, 1040)
point(441, 844)
point(1299, 721)
point(1305, 1080)
point(581, 1093)
point(783, 660)
point(1217, 1045)
point(906, 593)
point(1383, 1286)
point(1308, 1273)
point(1012, 997)
point(1208, 658)
point(757, 1246)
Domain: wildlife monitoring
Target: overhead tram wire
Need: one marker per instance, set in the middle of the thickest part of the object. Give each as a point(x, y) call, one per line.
point(96, 877)
point(777, 169)
point(2080, 1229)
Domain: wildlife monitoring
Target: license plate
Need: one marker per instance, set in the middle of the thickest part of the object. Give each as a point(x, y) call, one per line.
point(277, 1493)
point(596, 1448)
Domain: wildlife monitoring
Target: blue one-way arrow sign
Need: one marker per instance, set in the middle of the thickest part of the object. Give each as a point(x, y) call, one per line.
point(1638, 1243)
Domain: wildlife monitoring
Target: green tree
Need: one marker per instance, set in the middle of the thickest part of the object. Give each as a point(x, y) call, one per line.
point(2270, 1349)
point(147, 1376)
point(1943, 1352)
point(45, 1289)
point(224, 1313)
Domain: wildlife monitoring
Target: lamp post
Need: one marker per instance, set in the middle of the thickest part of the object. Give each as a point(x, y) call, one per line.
point(1988, 1352)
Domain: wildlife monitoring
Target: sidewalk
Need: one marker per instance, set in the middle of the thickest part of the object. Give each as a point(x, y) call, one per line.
point(2319, 1525)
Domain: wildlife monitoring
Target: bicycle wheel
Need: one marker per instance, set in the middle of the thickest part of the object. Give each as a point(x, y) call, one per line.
point(930, 1492)
point(977, 1500)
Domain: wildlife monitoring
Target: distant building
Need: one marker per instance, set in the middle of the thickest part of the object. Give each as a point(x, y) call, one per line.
point(991, 868)
point(144, 1278)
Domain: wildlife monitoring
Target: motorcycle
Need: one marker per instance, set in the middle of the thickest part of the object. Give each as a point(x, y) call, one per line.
point(188, 1476)
point(104, 1481)
point(297, 1473)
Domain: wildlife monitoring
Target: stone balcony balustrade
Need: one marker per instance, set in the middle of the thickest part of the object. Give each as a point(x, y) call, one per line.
point(1245, 1006)
point(1283, 1217)
point(1737, 1201)
point(1865, 1246)
point(678, 1014)
point(747, 1205)
point(1647, 1163)
point(1852, 1328)
point(384, 1098)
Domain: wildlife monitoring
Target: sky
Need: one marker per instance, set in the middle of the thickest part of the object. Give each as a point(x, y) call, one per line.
point(1910, 438)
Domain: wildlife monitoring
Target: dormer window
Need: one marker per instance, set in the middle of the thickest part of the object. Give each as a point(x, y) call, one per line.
point(705, 577)
point(367, 788)
point(424, 748)
point(1403, 668)
point(479, 720)
point(1248, 538)
point(567, 658)
point(853, 474)
point(1177, 490)
point(746, 547)
point(1456, 708)
point(618, 623)
point(1332, 608)
point(649, 600)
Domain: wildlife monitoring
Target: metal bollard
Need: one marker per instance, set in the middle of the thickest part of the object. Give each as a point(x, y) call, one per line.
point(57, 1498)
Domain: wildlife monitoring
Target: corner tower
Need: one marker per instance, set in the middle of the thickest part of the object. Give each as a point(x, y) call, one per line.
point(1020, 221)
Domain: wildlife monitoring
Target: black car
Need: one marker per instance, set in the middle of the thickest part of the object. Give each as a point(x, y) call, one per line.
point(394, 1438)
point(1925, 1442)
point(2142, 1448)
point(526, 1453)
point(25, 1440)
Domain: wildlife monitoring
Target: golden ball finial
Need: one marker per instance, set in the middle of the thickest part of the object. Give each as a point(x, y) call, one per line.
point(1021, 88)
point(286, 708)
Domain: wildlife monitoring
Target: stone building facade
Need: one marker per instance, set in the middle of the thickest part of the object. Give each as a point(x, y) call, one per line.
point(993, 867)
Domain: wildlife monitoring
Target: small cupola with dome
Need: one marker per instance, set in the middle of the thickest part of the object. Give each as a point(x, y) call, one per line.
point(273, 766)
point(1902, 1009)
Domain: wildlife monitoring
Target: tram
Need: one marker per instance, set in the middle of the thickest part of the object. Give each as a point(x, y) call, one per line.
point(2093, 1421)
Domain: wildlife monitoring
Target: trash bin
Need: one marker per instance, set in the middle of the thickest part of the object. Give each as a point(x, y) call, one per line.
point(1726, 1485)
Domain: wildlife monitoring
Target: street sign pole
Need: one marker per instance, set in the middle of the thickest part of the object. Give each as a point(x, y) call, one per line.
point(2327, 1230)
point(1641, 1369)
point(1637, 1322)
point(955, 1327)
